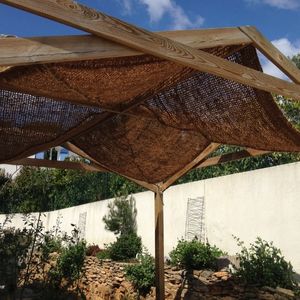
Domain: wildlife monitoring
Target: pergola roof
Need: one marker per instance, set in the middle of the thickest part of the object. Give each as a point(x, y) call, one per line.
point(171, 113)
point(149, 112)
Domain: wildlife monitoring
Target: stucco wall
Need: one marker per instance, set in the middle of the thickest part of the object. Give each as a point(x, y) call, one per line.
point(263, 203)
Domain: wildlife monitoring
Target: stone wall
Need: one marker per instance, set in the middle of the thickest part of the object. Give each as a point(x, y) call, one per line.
point(105, 280)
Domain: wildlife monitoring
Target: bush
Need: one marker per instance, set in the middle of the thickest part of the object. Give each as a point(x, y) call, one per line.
point(142, 275)
point(50, 244)
point(103, 254)
point(263, 264)
point(92, 250)
point(194, 255)
point(126, 247)
point(14, 247)
point(70, 262)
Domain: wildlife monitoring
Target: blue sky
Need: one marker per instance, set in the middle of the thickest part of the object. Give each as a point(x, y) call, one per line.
point(278, 20)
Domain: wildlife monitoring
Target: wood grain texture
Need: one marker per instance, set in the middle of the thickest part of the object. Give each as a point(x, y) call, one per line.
point(56, 164)
point(159, 246)
point(81, 17)
point(26, 51)
point(228, 157)
point(272, 53)
point(208, 150)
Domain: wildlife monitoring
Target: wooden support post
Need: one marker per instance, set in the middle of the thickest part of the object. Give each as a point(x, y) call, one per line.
point(159, 246)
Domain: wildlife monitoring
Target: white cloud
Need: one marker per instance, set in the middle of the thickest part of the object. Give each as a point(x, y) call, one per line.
point(157, 9)
point(282, 4)
point(287, 48)
point(127, 4)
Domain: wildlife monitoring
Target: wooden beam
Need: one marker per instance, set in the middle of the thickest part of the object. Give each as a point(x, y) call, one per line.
point(3, 69)
point(228, 157)
point(70, 165)
point(23, 51)
point(159, 246)
point(209, 149)
point(78, 151)
point(272, 53)
point(71, 13)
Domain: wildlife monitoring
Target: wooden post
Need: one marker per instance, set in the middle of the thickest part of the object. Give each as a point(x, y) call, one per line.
point(159, 246)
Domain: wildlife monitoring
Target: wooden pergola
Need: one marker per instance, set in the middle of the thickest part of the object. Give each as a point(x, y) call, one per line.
point(195, 51)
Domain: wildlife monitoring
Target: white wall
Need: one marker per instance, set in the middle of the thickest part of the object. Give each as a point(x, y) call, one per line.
point(263, 203)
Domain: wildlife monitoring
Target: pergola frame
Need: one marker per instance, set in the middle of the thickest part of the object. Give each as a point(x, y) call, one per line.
point(113, 38)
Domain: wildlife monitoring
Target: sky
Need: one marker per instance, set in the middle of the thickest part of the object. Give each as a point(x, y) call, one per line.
point(278, 20)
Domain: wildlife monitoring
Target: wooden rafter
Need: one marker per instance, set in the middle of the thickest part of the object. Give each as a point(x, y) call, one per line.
point(272, 53)
point(70, 165)
point(23, 51)
point(212, 161)
point(208, 150)
point(228, 157)
point(78, 151)
point(81, 17)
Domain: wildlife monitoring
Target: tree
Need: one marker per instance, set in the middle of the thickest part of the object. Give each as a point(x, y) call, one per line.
point(296, 60)
point(121, 218)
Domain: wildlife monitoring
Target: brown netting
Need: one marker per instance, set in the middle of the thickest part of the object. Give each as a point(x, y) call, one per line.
point(141, 148)
point(224, 111)
point(170, 113)
point(27, 121)
point(108, 83)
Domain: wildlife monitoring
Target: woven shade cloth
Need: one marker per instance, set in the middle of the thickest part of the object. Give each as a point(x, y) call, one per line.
point(169, 113)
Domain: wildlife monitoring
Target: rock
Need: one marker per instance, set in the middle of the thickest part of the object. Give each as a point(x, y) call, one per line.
point(285, 292)
point(268, 289)
point(221, 274)
point(107, 281)
point(206, 274)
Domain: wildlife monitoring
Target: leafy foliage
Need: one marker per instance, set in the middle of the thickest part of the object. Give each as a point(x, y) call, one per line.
point(121, 218)
point(127, 246)
point(142, 275)
point(103, 254)
point(50, 245)
point(71, 261)
point(14, 246)
point(41, 189)
point(194, 255)
point(263, 264)
point(296, 60)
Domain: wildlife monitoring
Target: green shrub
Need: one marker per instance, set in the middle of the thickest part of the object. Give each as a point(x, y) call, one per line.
point(194, 255)
point(263, 264)
point(70, 262)
point(142, 275)
point(14, 247)
point(50, 244)
point(127, 246)
point(103, 254)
